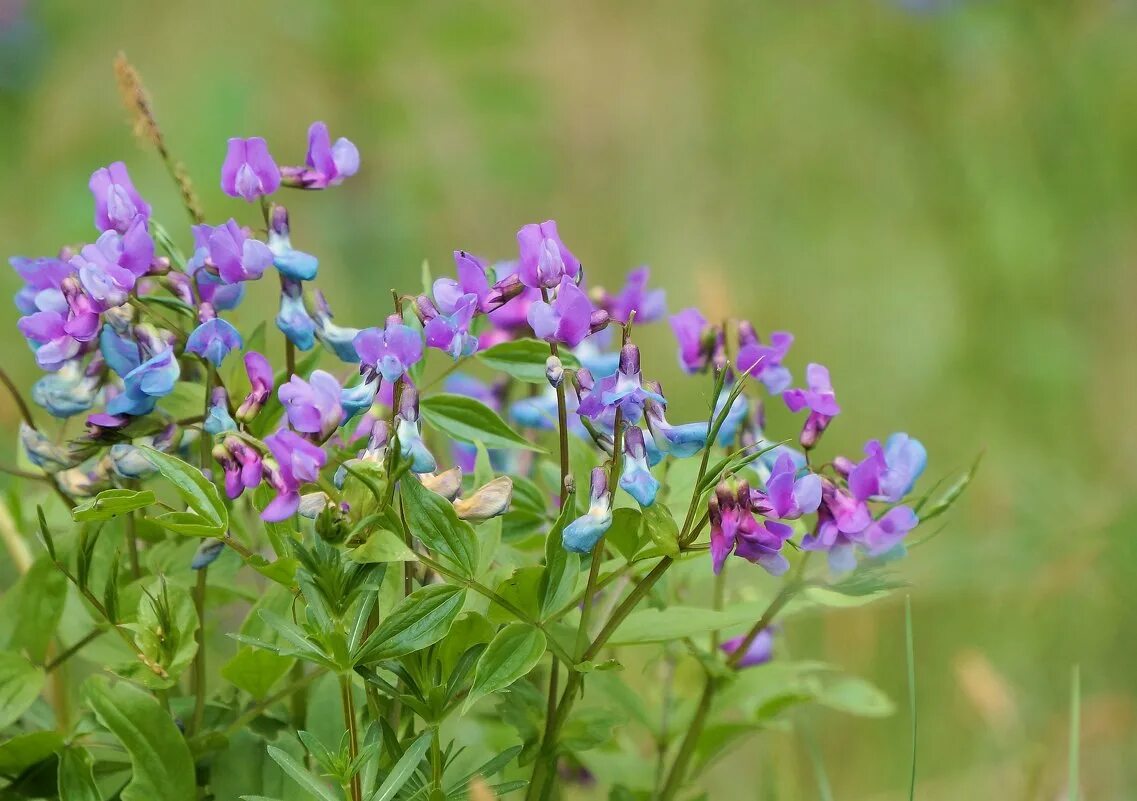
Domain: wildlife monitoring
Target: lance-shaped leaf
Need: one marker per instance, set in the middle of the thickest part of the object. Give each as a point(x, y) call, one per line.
point(199, 494)
point(471, 420)
point(562, 567)
point(421, 619)
point(511, 655)
point(433, 520)
point(112, 503)
point(524, 359)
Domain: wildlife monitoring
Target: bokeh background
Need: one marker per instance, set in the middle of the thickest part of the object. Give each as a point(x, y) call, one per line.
point(938, 199)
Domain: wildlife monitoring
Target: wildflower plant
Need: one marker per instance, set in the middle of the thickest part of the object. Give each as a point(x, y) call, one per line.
point(465, 544)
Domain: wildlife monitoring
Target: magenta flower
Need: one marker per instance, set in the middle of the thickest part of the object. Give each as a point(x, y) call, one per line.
point(734, 528)
point(544, 258)
point(888, 472)
point(249, 170)
point(260, 381)
point(787, 497)
point(510, 318)
point(389, 352)
point(760, 652)
point(213, 339)
point(568, 319)
point(229, 248)
point(472, 280)
point(117, 202)
point(819, 399)
point(450, 331)
point(764, 362)
point(696, 339)
point(328, 164)
point(296, 462)
point(313, 406)
point(649, 305)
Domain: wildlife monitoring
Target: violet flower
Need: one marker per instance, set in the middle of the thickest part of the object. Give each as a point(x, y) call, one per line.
point(313, 406)
point(819, 399)
point(327, 164)
point(409, 433)
point(624, 390)
point(249, 171)
point(472, 280)
point(764, 362)
point(46, 332)
point(582, 534)
point(887, 531)
point(568, 319)
point(679, 441)
point(544, 259)
point(636, 478)
point(117, 202)
point(734, 528)
point(231, 251)
point(292, 263)
point(696, 338)
point(69, 391)
point(450, 331)
point(213, 340)
point(389, 352)
point(242, 464)
point(42, 279)
point(296, 462)
point(261, 381)
point(888, 472)
point(293, 319)
point(649, 305)
point(145, 384)
point(760, 651)
point(787, 497)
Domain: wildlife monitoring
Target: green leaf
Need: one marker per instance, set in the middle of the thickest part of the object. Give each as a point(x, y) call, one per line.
point(661, 528)
point(433, 520)
point(626, 532)
point(951, 494)
point(382, 546)
point(20, 684)
point(199, 493)
point(470, 420)
point(301, 776)
point(111, 503)
point(511, 655)
point(677, 622)
point(165, 628)
point(159, 756)
point(189, 524)
point(31, 610)
point(421, 619)
point(25, 750)
point(77, 777)
point(524, 359)
point(856, 697)
point(404, 769)
point(521, 589)
point(562, 567)
point(255, 670)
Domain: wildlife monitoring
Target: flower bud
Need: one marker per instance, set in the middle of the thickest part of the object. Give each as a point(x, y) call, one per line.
point(554, 371)
point(489, 500)
point(448, 483)
point(207, 553)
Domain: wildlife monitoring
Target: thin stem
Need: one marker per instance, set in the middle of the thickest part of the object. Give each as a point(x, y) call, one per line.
point(436, 759)
point(21, 404)
point(352, 734)
point(300, 681)
point(73, 649)
point(199, 665)
point(131, 534)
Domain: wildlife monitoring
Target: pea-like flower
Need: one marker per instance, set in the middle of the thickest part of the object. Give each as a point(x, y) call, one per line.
point(567, 319)
point(819, 399)
point(218, 419)
point(293, 319)
point(787, 495)
point(296, 461)
point(696, 339)
point(680, 441)
point(544, 258)
point(42, 279)
point(242, 464)
point(145, 384)
point(213, 340)
point(636, 478)
point(764, 362)
point(648, 304)
point(760, 651)
point(249, 171)
point(327, 163)
point(358, 398)
point(261, 380)
point(582, 534)
point(624, 390)
point(487, 501)
point(338, 339)
point(472, 280)
point(889, 471)
point(409, 433)
point(292, 263)
point(44, 453)
point(734, 528)
point(448, 330)
point(230, 250)
point(117, 202)
point(47, 334)
point(313, 406)
point(71, 390)
point(389, 352)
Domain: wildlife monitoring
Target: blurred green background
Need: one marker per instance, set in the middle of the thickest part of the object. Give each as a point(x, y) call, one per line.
point(938, 199)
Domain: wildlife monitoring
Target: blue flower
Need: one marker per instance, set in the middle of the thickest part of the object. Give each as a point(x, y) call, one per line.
point(153, 379)
point(582, 534)
point(294, 320)
point(636, 478)
point(213, 339)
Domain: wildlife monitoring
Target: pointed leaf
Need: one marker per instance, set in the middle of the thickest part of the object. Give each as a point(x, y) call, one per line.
point(199, 493)
point(511, 655)
point(421, 619)
point(470, 420)
point(524, 359)
point(433, 520)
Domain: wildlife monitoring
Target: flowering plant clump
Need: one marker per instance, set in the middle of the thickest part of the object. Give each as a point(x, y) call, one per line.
point(463, 550)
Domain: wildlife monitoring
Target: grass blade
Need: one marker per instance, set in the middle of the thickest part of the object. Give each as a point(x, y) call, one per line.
point(1073, 790)
point(911, 655)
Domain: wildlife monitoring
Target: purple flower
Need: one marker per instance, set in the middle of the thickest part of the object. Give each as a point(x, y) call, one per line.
point(787, 497)
point(229, 248)
point(472, 280)
point(260, 381)
point(47, 334)
point(886, 532)
point(117, 203)
point(313, 406)
point(582, 534)
point(649, 305)
point(764, 362)
point(42, 280)
point(820, 401)
point(328, 164)
point(696, 338)
point(389, 352)
point(624, 390)
point(511, 317)
point(297, 461)
point(636, 479)
point(888, 472)
point(154, 378)
point(544, 258)
point(734, 528)
point(241, 463)
point(213, 339)
point(450, 332)
point(248, 170)
point(568, 319)
point(411, 446)
point(760, 652)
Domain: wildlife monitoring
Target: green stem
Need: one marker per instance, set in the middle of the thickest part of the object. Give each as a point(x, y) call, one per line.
point(300, 682)
point(352, 734)
point(436, 760)
point(73, 649)
point(199, 665)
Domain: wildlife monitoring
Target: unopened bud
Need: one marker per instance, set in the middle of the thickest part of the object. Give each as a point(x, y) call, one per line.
point(554, 371)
